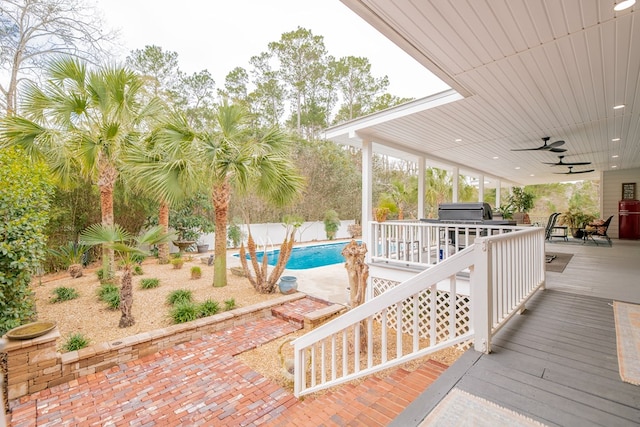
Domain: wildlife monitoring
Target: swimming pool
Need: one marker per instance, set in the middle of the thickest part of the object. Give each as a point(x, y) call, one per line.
point(304, 257)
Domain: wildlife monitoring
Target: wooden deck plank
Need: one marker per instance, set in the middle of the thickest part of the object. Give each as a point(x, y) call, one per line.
point(557, 363)
point(578, 386)
point(562, 404)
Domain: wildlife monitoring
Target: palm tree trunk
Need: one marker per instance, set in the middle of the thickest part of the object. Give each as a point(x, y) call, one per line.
point(106, 183)
point(163, 220)
point(126, 299)
point(220, 197)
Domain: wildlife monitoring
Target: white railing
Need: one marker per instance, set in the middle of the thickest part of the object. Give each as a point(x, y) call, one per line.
point(416, 317)
point(508, 270)
point(420, 243)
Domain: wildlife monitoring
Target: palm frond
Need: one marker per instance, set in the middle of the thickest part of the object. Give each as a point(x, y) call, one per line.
point(99, 234)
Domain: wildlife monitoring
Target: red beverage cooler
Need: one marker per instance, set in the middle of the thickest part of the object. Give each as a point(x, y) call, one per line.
point(629, 219)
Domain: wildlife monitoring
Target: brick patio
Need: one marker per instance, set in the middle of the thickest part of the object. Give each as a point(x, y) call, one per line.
point(202, 383)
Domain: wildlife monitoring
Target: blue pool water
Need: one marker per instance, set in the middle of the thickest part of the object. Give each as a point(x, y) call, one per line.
point(303, 257)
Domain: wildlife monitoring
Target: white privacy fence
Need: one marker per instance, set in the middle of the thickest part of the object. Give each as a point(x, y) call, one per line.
point(425, 313)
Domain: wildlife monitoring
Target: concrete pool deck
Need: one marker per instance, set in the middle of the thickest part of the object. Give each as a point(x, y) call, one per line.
point(328, 283)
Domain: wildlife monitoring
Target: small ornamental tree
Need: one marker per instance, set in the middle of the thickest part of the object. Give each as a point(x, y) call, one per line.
point(331, 223)
point(24, 204)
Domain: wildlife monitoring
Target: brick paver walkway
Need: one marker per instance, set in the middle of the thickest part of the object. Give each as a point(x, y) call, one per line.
point(202, 383)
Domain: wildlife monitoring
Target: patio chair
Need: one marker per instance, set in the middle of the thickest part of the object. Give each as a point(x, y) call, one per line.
point(598, 230)
point(553, 230)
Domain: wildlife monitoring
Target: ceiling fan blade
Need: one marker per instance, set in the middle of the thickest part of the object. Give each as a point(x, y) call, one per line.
point(556, 144)
point(562, 163)
point(571, 172)
point(553, 147)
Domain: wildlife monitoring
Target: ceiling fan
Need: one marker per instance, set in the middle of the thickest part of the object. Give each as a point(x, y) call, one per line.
point(553, 147)
point(571, 172)
point(561, 163)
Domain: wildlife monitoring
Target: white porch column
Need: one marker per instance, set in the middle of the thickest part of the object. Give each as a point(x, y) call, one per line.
point(367, 187)
point(367, 205)
point(456, 179)
point(498, 188)
point(481, 188)
point(421, 186)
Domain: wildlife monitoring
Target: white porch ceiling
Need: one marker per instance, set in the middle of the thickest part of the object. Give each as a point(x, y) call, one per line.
point(526, 69)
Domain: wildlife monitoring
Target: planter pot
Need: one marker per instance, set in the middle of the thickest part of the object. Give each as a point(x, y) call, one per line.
point(288, 284)
point(577, 233)
point(203, 248)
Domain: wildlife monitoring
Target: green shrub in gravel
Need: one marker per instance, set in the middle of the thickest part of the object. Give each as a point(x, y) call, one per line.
point(178, 296)
point(110, 294)
point(75, 342)
point(64, 294)
point(184, 311)
point(229, 304)
point(149, 283)
point(208, 308)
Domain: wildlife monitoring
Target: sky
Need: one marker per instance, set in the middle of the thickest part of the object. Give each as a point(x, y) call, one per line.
point(220, 35)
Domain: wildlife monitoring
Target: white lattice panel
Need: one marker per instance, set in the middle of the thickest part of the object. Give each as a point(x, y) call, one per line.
point(442, 314)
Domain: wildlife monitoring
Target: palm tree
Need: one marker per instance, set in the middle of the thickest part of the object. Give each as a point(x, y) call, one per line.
point(438, 189)
point(82, 120)
point(166, 168)
point(235, 157)
point(128, 248)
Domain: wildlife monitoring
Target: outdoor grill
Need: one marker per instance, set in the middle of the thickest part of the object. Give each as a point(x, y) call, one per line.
point(467, 213)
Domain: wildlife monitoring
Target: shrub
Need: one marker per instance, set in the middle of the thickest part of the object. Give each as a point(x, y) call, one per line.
point(100, 273)
point(196, 272)
point(138, 258)
point(208, 308)
point(179, 296)
point(177, 263)
point(64, 294)
point(149, 283)
point(229, 304)
point(24, 209)
point(331, 223)
point(75, 342)
point(184, 311)
point(110, 294)
point(137, 271)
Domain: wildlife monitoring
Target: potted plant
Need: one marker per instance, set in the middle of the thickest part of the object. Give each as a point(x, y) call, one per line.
point(191, 220)
point(576, 220)
point(380, 214)
point(71, 255)
point(519, 202)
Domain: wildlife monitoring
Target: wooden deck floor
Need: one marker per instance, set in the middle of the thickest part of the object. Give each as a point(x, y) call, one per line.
point(556, 363)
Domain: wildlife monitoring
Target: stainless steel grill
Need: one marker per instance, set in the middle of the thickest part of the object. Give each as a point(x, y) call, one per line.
point(468, 213)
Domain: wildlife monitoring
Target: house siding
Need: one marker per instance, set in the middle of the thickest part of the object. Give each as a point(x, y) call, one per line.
point(612, 193)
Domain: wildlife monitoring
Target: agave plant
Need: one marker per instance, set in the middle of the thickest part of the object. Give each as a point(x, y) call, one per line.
point(71, 255)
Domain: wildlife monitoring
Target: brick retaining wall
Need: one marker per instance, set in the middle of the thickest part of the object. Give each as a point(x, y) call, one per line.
point(35, 364)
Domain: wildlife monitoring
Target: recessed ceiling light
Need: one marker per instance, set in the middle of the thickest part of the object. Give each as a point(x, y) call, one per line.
point(617, 107)
point(517, 167)
point(614, 166)
point(495, 157)
point(532, 175)
point(624, 4)
point(615, 139)
point(458, 140)
point(615, 156)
